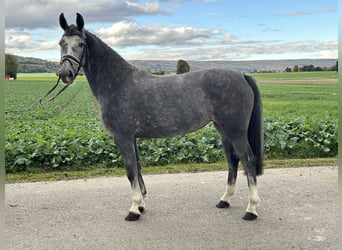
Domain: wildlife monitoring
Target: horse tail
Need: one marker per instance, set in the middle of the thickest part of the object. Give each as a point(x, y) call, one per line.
point(255, 129)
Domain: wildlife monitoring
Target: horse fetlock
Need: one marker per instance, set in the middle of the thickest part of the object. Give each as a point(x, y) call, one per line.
point(254, 199)
point(228, 194)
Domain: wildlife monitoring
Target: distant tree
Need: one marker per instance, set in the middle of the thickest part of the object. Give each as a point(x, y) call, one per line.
point(295, 68)
point(160, 72)
point(311, 67)
point(148, 70)
point(182, 67)
point(307, 68)
point(11, 65)
point(288, 69)
point(335, 67)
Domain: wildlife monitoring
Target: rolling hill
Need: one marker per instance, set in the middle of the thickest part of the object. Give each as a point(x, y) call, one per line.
point(35, 65)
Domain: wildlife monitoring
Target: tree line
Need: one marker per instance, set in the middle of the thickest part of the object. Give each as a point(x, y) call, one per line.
point(15, 64)
point(308, 68)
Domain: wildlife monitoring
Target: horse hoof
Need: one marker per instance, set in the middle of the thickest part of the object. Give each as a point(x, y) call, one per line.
point(222, 204)
point(132, 217)
point(250, 216)
point(141, 209)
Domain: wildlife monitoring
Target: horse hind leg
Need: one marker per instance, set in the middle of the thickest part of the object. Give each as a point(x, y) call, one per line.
point(254, 199)
point(248, 160)
point(233, 162)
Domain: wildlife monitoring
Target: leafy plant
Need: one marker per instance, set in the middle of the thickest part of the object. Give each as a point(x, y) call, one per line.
point(67, 134)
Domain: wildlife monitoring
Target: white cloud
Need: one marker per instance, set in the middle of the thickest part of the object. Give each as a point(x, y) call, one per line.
point(30, 29)
point(44, 13)
point(163, 42)
point(18, 41)
point(280, 50)
point(127, 33)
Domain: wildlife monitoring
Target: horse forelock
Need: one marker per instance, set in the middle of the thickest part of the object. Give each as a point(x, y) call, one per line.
point(73, 30)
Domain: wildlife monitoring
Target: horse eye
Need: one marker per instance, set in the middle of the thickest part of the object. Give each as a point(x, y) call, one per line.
point(81, 45)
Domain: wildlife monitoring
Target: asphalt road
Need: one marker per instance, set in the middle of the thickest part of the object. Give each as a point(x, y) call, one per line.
point(298, 210)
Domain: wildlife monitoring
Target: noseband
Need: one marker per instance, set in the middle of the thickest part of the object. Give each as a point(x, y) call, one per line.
point(74, 61)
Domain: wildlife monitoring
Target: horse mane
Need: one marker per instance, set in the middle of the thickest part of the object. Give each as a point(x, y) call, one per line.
point(104, 53)
point(103, 65)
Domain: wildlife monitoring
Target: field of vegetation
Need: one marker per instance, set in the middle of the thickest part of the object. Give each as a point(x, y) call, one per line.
point(300, 113)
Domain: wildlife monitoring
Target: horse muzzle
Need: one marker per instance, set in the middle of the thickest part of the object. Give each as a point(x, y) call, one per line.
point(67, 73)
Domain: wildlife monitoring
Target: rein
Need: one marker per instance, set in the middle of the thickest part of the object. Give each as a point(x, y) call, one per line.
point(41, 100)
point(72, 61)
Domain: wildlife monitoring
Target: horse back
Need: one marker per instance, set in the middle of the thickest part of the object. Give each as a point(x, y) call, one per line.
point(154, 106)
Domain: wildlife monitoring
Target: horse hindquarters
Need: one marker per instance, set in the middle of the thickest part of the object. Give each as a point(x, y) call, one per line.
point(237, 148)
point(245, 144)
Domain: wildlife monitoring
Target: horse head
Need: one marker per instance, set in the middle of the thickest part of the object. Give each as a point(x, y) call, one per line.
point(73, 48)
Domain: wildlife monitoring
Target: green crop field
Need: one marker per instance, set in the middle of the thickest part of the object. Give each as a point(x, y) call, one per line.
point(300, 122)
point(314, 75)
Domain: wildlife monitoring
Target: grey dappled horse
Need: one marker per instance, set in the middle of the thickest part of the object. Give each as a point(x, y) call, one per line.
point(135, 104)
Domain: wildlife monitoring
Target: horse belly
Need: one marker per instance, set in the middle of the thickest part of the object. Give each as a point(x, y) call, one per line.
point(171, 124)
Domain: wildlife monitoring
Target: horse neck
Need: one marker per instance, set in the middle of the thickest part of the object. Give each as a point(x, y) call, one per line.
point(104, 65)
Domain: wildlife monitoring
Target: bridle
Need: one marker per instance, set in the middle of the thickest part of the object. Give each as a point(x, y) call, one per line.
point(73, 61)
point(76, 65)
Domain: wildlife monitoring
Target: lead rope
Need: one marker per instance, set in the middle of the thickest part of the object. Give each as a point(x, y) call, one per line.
point(41, 99)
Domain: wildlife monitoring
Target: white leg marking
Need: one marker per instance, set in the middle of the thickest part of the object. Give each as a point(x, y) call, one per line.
point(137, 198)
point(229, 193)
point(254, 200)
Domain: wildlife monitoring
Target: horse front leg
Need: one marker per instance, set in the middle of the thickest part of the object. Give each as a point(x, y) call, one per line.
point(126, 147)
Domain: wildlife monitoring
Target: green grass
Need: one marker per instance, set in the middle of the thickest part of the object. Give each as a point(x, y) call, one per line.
point(72, 116)
point(295, 75)
point(283, 100)
point(293, 100)
point(28, 88)
point(48, 77)
point(169, 169)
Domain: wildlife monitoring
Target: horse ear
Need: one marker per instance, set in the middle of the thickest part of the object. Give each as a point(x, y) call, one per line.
point(63, 22)
point(79, 21)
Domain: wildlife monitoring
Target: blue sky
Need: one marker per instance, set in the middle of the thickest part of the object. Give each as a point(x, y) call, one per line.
point(188, 29)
